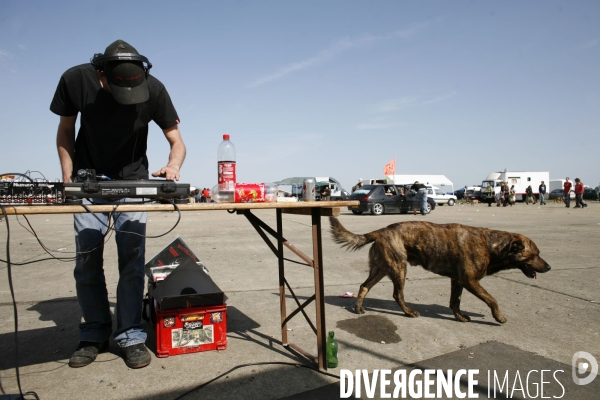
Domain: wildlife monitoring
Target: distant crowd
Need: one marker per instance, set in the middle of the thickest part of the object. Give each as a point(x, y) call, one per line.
point(506, 196)
point(201, 196)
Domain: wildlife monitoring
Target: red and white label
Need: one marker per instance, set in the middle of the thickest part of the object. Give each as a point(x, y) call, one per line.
point(226, 176)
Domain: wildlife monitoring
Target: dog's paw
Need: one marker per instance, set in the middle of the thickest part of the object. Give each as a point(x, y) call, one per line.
point(500, 318)
point(359, 310)
point(461, 317)
point(413, 314)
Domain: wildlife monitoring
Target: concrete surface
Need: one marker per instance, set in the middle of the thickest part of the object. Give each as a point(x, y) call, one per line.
point(549, 319)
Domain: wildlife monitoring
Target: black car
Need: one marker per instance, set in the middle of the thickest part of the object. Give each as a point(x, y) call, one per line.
point(463, 193)
point(387, 198)
point(590, 194)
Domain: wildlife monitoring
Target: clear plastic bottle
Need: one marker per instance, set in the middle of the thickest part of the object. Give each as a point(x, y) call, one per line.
point(332, 350)
point(271, 192)
point(219, 196)
point(226, 165)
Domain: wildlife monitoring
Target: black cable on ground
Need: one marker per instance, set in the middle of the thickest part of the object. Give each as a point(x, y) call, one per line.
point(253, 365)
point(14, 302)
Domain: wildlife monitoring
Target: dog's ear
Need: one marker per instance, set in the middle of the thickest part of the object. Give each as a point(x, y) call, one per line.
point(516, 245)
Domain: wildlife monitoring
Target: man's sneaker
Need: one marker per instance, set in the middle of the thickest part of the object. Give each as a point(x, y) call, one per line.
point(136, 356)
point(86, 353)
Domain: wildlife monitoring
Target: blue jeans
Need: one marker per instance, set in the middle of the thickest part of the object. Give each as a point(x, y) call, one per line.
point(423, 195)
point(91, 283)
point(542, 198)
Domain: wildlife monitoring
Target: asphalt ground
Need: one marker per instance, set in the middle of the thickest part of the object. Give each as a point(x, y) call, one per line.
point(549, 319)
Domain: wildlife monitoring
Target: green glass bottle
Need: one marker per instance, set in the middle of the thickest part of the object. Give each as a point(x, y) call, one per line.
point(332, 350)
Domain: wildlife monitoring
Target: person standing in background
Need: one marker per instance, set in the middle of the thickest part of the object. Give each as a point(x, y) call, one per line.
point(506, 194)
point(529, 195)
point(197, 196)
point(579, 189)
point(567, 192)
point(489, 194)
point(512, 195)
point(326, 195)
point(422, 193)
point(542, 190)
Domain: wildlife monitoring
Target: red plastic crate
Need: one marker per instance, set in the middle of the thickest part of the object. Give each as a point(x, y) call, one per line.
point(190, 330)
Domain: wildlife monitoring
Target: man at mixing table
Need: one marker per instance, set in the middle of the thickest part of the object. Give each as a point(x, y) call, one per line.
point(116, 98)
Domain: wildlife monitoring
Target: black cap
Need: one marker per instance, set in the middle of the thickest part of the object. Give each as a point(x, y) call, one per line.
point(127, 79)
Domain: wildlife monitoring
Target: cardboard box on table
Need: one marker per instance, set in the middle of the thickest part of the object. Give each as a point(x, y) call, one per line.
point(188, 308)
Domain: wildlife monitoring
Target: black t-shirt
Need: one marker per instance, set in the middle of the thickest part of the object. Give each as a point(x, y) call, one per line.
point(112, 138)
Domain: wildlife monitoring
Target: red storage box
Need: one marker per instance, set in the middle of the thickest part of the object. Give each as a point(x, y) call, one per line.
point(190, 330)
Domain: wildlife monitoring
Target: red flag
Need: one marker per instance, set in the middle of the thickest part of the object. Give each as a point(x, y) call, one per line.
point(390, 168)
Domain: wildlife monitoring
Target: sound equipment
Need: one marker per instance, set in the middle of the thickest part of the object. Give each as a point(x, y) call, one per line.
point(87, 185)
point(148, 189)
point(21, 193)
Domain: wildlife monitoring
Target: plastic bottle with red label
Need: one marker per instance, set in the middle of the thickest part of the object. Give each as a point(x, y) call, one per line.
point(226, 164)
point(226, 168)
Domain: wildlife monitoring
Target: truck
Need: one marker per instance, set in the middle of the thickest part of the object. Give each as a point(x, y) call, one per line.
point(520, 179)
point(294, 186)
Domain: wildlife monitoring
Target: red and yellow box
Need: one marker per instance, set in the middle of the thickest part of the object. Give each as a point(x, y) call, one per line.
point(190, 330)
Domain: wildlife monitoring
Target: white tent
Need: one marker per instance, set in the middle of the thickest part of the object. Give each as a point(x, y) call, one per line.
point(440, 181)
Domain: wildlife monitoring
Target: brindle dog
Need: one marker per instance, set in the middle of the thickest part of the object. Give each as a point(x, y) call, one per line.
point(463, 253)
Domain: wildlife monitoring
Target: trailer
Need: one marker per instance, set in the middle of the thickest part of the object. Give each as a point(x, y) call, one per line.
point(520, 179)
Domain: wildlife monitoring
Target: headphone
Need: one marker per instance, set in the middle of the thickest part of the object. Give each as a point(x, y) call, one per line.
point(99, 60)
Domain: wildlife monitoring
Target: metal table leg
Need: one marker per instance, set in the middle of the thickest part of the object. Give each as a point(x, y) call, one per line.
point(316, 263)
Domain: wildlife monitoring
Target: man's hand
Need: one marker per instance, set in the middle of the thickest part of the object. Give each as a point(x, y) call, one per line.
point(171, 173)
point(176, 156)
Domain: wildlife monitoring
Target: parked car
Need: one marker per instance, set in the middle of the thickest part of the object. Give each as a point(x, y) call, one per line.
point(382, 199)
point(558, 193)
point(590, 194)
point(474, 194)
point(440, 197)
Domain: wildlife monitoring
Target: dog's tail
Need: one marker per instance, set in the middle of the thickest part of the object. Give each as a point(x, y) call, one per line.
point(346, 238)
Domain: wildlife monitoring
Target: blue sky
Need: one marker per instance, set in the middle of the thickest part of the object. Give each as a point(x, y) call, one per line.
point(328, 88)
